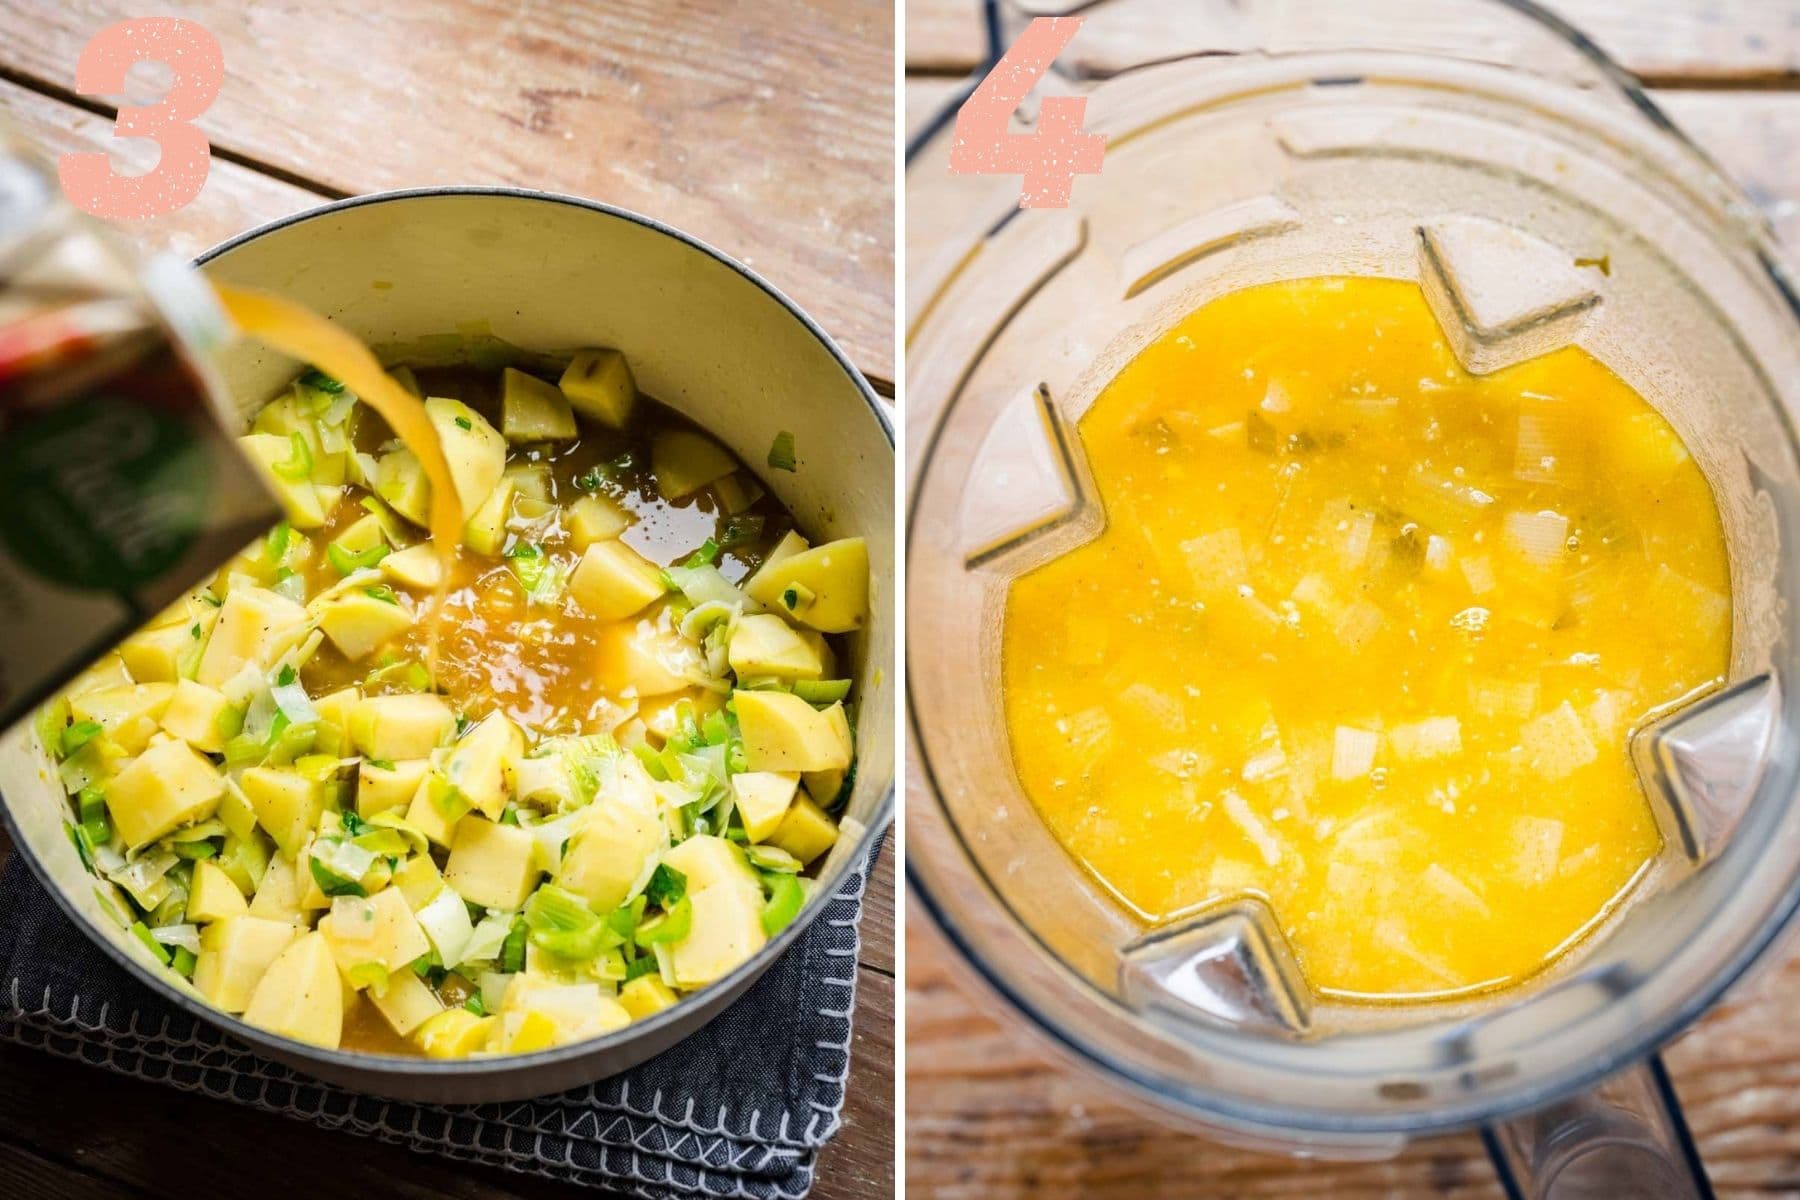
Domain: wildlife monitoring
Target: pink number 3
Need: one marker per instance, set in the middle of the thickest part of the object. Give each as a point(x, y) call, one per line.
point(1049, 158)
point(198, 65)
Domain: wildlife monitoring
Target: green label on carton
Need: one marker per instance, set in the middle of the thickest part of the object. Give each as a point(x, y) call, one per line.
point(106, 493)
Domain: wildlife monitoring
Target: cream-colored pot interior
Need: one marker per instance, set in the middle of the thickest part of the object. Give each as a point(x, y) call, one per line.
point(553, 274)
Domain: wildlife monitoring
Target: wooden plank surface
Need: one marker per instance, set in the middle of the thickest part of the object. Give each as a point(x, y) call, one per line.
point(993, 1112)
point(70, 1132)
point(1686, 42)
point(770, 138)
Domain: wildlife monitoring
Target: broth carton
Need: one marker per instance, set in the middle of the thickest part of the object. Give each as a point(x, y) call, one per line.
point(121, 485)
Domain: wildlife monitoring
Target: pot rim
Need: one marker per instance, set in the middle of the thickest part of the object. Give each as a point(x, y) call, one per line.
point(425, 1068)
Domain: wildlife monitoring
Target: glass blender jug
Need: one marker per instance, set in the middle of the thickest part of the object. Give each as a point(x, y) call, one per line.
point(1490, 153)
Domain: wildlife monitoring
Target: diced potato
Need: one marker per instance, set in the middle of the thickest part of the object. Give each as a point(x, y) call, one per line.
point(1535, 846)
point(485, 531)
point(532, 410)
point(1540, 537)
point(156, 655)
point(605, 860)
point(195, 714)
point(164, 788)
point(578, 1011)
point(764, 644)
point(651, 660)
point(531, 479)
point(1215, 561)
point(299, 497)
point(408, 381)
point(414, 567)
point(437, 821)
point(212, 896)
point(299, 996)
point(599, 385)
point(477, 765)
point(1556, 743)
point(805, 830)
point(287, 805)
point(612, 581)
point(763, 798)
point(1353, 752)
point(380, 787)
point(406, 1003)
point(279, 895)
point(251, 621)
point(646, 996)
point(726, 931)
point(684, 462)
point(400, 481)
point(245, 860)
point(824, 786)
point(454, 1033)
point(335, 709)
point(492, 865)
point(358, 623)
point(234, 955)
point(380, 929)
point(1434, 737)
point(784, 733)
point(129, 714)
point(365, 533)
point(826, 587)
point(737, 492)
point(401, 727)
point(474, 449)
point(593, 519)
point(710, 861)
point(524, 1032)
point(419, 880)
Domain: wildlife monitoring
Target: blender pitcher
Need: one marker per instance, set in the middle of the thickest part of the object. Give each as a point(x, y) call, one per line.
point(1490, 153)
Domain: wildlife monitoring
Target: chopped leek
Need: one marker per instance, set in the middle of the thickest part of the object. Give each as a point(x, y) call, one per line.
point(90, 802)
point(822, 692)
point(348, 562)
point(672, 926)
point(705, 556)
point(371, 975)
point(512, 951)
point(299, 462)
point(781, 452)
point(772, 860)
point(78, 735)
point(142, 933)
point(785, 899)
point(740, 531)
point(667, 886)
point(184, 961)
point(314, 378)
point(381, 592)
point(275, 547)
point(561, 922)
point(339, 866)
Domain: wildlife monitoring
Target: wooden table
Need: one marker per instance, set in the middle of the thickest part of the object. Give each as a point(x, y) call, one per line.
point(770, 138)
point(991, 1113)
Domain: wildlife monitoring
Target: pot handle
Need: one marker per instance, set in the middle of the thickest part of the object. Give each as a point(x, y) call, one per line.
point(1626, 1137)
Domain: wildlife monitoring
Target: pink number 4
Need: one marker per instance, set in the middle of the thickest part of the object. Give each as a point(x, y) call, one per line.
point(1050, 157)
point(198, 65)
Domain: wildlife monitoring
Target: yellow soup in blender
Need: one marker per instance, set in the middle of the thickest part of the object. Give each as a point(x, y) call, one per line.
point(1367, 636)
